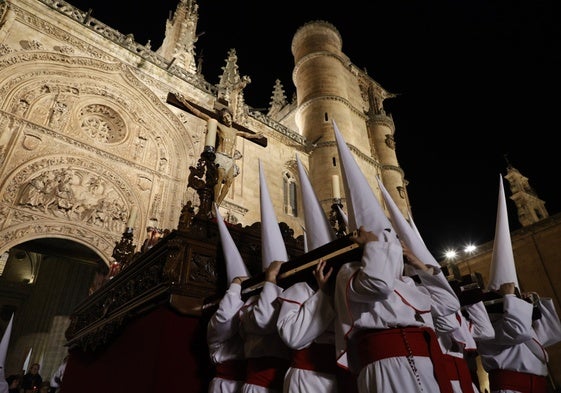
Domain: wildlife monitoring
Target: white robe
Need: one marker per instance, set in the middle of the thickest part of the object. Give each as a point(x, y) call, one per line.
point(305, 317)
point(458, 338)
point(519, 343)
point(58, 375)
point(223, 339)
point(259, 330)
point(373, 294)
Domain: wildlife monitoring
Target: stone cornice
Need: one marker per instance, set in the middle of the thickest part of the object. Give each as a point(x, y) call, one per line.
point(361, 156)
point(127, 42)
point(343, 60)
point(287, 132)
point(309, 102)
point(382, 120)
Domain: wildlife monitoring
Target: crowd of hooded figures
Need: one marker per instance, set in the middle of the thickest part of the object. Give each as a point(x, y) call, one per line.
point(388, 322)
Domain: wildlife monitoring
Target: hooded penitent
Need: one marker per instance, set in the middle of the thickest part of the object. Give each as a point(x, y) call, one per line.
point(503, 269)
point(363, 207)
point(235, 267)
point(318, 229)
point(272, 243)
point(3, 351)
point(405, 230)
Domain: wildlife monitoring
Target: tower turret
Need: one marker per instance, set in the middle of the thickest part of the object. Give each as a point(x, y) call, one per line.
point(180, 38)
point(329, 87)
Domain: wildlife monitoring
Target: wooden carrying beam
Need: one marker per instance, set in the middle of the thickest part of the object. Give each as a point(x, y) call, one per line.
point(335, 253)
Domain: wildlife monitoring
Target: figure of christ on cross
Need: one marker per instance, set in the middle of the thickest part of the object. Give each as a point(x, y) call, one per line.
point(226, 153)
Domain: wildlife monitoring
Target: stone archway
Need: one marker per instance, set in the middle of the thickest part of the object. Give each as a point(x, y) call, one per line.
point(41, 282)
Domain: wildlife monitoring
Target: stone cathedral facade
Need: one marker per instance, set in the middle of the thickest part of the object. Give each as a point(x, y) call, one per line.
point(88, 136)
point(90, 143)
point(96, 142)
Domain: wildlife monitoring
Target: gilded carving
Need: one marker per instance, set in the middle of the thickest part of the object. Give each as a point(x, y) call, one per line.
point(202, 268)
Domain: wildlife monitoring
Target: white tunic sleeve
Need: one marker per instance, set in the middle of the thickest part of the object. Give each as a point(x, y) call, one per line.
point(516, 325)
point(382, 264)
point(548, 327)
point(444, 300)
point(480, 325)
point(304, 315)
point(261, 318)
point(224, 323)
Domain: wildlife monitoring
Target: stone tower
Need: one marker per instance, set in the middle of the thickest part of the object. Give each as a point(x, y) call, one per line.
point(330, 87)
point(529, 207)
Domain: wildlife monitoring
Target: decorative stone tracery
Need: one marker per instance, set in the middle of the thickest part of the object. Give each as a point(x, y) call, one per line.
point(102, 123)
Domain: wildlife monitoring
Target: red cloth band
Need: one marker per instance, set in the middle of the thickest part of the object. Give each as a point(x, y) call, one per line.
point(317, 357)
point(267, 372)
point(233, 370)
point(516, 380)
point(376, 344)
point(458, 370)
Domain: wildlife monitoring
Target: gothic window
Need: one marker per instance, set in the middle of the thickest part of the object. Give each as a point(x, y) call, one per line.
point(102, 123)
point(289, 194)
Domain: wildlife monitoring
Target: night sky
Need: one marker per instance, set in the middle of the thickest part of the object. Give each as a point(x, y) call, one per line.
point(476, 81)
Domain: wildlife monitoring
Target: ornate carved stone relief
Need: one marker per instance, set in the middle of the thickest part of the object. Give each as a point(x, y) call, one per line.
point(3, 11)
point(102, 123)
point(390, 141)
point(77, 195)
point(102, 243)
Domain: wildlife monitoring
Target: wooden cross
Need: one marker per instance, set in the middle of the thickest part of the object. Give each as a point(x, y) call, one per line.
point(173, 100)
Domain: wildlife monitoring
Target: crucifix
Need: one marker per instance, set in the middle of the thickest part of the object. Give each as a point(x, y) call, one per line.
point(222, 133)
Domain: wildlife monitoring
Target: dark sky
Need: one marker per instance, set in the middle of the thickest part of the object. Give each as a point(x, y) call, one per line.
point(477, 80)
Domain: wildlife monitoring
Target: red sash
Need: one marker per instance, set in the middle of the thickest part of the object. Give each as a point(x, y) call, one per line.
point(317, 357)
point(458, 370)
point(372, 345)
point(232, 370)
point(516, 380)
point(267, 372)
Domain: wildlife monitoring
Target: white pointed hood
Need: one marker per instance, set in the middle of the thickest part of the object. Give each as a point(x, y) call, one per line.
point(4, 347)
point(363, 207)
point(235, 267)
point(344, 216)
point(318, 229)
point(415, 229)
point(503, 269)
point(27, 361)
point(272, 243)
point(405, 231)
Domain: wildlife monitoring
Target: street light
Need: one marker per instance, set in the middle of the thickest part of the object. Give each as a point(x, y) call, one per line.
point(470, 249)
point(450, 254)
